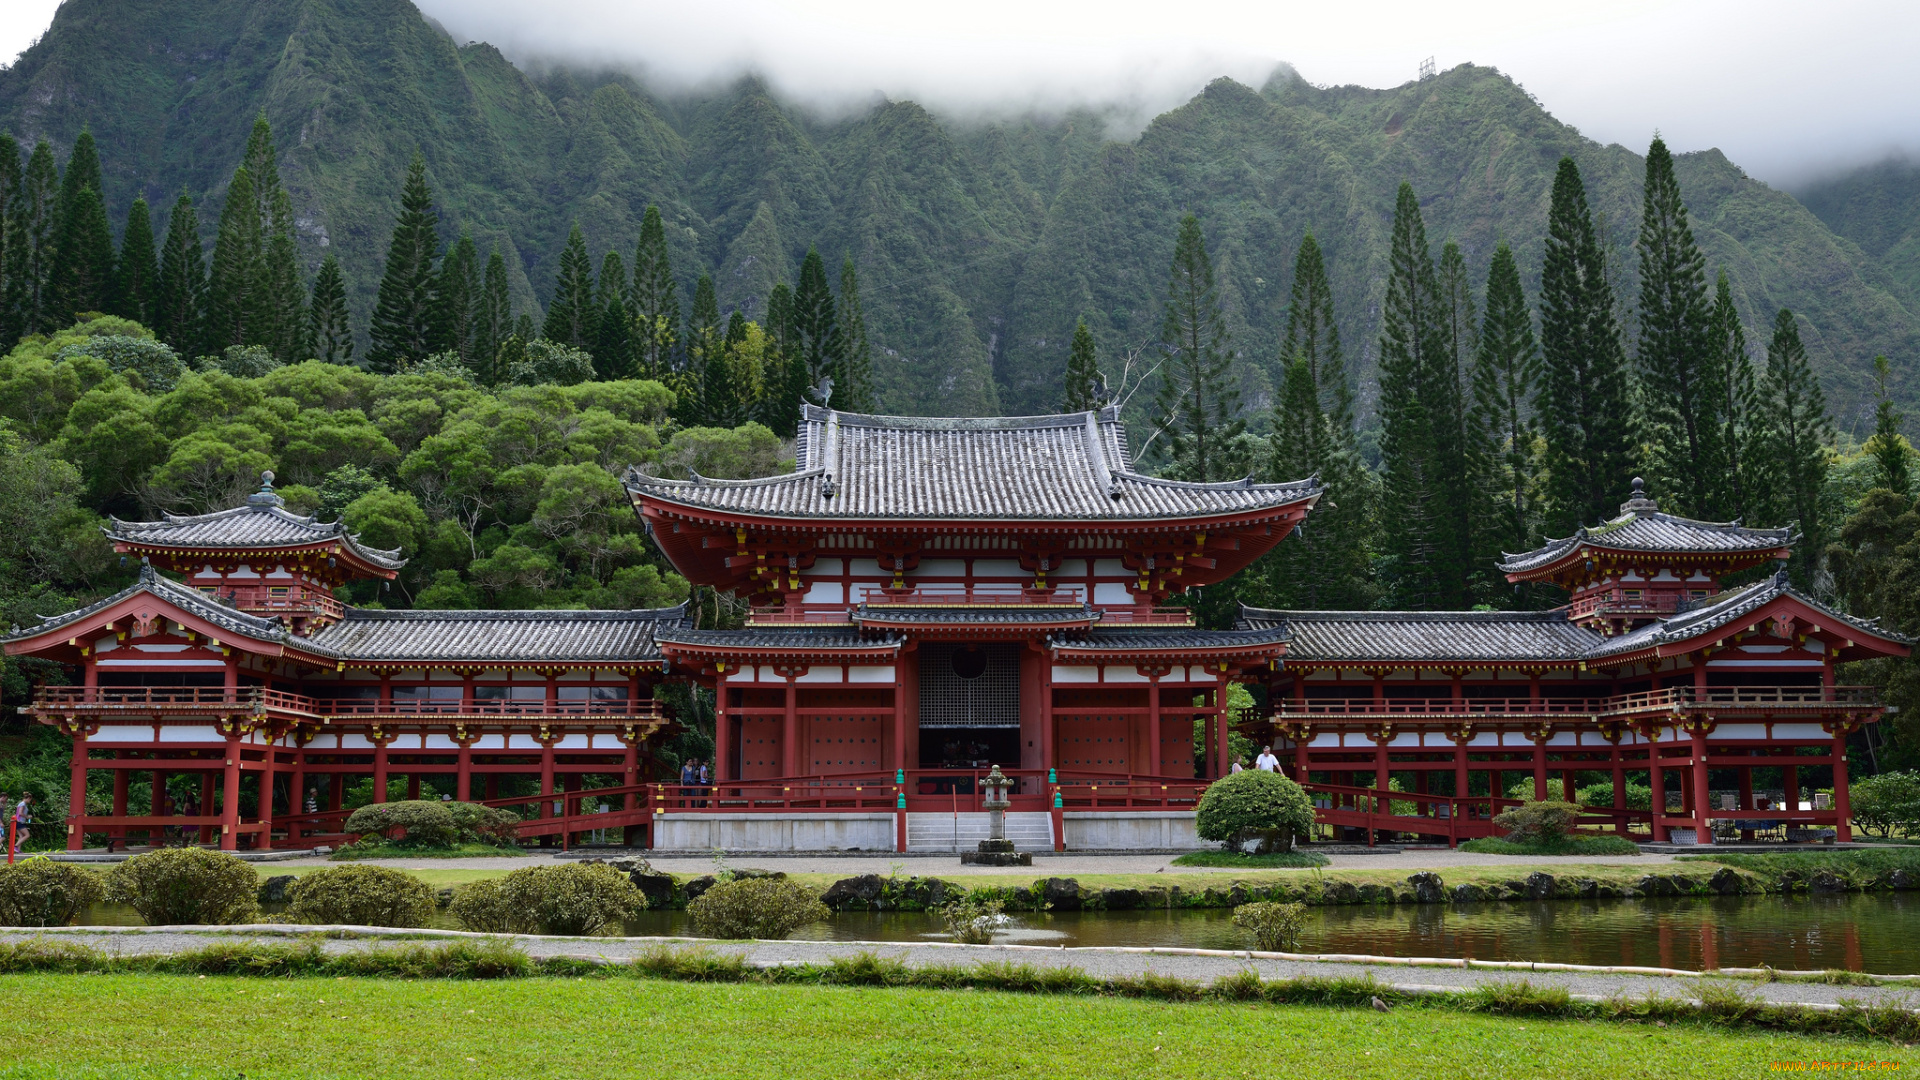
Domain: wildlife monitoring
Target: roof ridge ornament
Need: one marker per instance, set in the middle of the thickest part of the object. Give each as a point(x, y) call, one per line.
point(1638, 503)
point(265, 499)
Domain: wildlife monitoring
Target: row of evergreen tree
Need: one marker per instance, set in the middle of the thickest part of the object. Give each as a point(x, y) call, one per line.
point(1492, 435)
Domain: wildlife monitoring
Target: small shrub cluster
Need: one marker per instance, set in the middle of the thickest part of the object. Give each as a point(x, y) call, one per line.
point(1244, 805)
point(1887, 803)
point(420, 823)
point(361, 896)
point(1538, 822)
point(1276, 926)
point(576, 899)
point(970, 921)
point(41, 892)
point(186, 887)
point(756, 908)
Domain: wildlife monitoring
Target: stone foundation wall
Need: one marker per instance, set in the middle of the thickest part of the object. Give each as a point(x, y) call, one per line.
point(773, 832)
point(1131, 830)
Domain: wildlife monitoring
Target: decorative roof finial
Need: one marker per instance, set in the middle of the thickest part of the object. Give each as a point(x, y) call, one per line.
point(824, 391)
point(1638, 503)
point(265, 497)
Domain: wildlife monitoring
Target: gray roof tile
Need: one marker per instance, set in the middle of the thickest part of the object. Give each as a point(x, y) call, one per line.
point(500, 636)
point(867, 615)
point(186, 599)
point(1642, 527)
point(1072, 467)
point(1127, 640)
point(1425, 635)
point(261, 524)
point(782, 638)
point(1727, 608)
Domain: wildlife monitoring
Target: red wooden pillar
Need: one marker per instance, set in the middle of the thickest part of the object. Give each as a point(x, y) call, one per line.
point(1539, 769)
point(120, 778)
point(77, 794)
point(1153, 721)
point(296, 791)
point(267, 775)
point(1222, 744)
point(790, 732)
point(380, 768)
point(722, 729)
point(1703, 825)
point(463, 770)
point(1843, 829)
point(1790, 776)
point(157, 807)
point(230, 797)
point(1460, 771)
point(900, 717)
point(630, 770)
point(546, 778)
point(1657, 780)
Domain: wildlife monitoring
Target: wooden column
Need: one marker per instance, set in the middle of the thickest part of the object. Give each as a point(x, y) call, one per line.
point(77, 794)
point(230, 797)
point(120, 779)
point(463, 769)
point(1153, 721)
point(1539, 769)
point(267, 774)
point(630, 770)
point(1657, 780)
point(1790, 777)
point(1843, 830)
point(546, 778)
point(380, 767)
point(297, 790)
point(790, 732)
point(1703, 825)
point(722, 730)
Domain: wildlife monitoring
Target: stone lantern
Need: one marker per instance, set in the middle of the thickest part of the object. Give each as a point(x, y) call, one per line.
point(996, 849)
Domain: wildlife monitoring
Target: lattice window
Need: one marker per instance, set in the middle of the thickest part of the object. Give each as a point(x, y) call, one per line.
point(949, 701)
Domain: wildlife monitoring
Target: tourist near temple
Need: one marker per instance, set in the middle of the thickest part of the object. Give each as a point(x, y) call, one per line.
point(929, 599)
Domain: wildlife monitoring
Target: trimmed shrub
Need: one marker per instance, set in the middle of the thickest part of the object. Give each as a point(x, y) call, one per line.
point(186, 886)
point(1541, 822)
point(1885, 803)
point(1600, 796)
point(412, 823)
point(1276, 926)
point(768, 908)
point(1243, 805)
point(484, 824)
point(971, 922)
point(579, 899)
point(361, 896)
point(41, 892)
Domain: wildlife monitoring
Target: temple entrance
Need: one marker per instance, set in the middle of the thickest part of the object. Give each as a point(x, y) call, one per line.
point(969, 706)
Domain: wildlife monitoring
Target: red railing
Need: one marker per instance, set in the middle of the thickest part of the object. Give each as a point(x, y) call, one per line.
point(938, 596)
point(1614, 602)
point(1759, 698)
point(260, 700)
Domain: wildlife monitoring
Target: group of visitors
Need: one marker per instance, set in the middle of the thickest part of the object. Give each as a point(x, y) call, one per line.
point(1266, 762)
point(18, 813)
point(695, 778)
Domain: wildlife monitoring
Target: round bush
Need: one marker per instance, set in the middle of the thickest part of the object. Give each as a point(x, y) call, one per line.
point(186, 887)
point(1538, 822)
point(41, 892)
point(583, 899)
point(1245, 804)
point(361, 896)
point(484, 824)
point(756, 908)
point(425, 824)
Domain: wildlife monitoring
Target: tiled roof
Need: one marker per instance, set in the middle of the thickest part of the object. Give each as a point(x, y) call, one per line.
point(1072, 467)
point(1727, 608)
point(1128, 640)
point(781, 638)
point(499, 636)
point(189, 600)
point(1426, 635)
point(973, 616)
point(262, 523)
point(1642, 527)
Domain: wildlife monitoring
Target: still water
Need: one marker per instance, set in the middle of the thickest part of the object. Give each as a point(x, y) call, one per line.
point(1878, 933)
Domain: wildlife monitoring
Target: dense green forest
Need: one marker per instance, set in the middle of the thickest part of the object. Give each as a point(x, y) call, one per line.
point(980, 244)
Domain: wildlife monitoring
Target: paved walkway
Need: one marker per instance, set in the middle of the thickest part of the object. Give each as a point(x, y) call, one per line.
point(1197, 965)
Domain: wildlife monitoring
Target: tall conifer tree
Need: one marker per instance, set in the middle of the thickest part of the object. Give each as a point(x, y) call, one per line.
point(34, 230)
point(654, 305)
point(785, 370)
point(859, 351)
point(1798, 433)
point(1678, 373)
point(1506, 376)
point(137, 270)
point(9, 262)
point(1742, 434)
point(1468, 527)
point(403, 316)
point(1328, 564)
point(570, 317)
point(236, 308)
point(819, 343)
point(329, 326)
point(1586, 403)
point(455, 296)
point(613, 330)
point(1083, 372)
point(1889, 449)
point(704, 331)
point(179, 312)
point(83, 263)
point(1197, 408)
point(280, 320)
point(493, 318)
point(1313, 334)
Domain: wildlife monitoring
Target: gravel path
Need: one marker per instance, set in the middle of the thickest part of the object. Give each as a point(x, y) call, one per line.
point(1200, 965)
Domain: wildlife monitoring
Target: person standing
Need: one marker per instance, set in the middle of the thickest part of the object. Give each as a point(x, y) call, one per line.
point(22, 821)
point(1266, 762)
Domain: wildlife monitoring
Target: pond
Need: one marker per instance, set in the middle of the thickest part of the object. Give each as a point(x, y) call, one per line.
point(1877, 932)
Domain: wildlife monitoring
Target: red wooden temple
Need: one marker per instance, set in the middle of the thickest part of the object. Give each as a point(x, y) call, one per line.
point(930, 598)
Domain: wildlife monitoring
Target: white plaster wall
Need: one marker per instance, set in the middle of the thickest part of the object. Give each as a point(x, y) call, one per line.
point(773, 832)
point(1135, 830)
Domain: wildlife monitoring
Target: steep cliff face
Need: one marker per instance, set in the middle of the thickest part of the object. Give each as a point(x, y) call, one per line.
point(979, 244)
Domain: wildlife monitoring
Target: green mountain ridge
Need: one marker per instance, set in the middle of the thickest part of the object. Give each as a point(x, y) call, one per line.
point(979, 244)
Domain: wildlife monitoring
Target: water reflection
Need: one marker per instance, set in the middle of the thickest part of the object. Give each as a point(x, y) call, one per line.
point(1878, 933)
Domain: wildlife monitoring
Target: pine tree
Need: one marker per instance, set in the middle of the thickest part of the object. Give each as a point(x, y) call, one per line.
point(1469, 527)
point(1887, 446)
point(180, 297)
point(1676, 357)
point(570, 317)
point(9, 262)
point(329, 325)
point(282, 317)
point(1313, 335)
point(33, 228)
point(1798, 432)
point(1742, 434)
point(819, 343)
point(82, 276)
point(859, 351)
point(704, 333)
point(137, 270)
point(1506, 376)
point(1083, 372)
point(1328, 563)
point(785, 371)
point(613, 330)
point(456, 293)
point(654, 305)
point(1586, 404)
point(1198, 405)
point(235, 304)
point(492, 318)
point(402, 329)
point(1423, 463)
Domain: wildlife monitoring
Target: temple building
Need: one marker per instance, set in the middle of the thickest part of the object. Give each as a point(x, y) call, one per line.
point(927, 599)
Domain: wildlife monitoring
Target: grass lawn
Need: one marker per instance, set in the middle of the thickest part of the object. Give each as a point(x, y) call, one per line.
point(1236, 860)
point(1585, 844)
point(365, 850)
point(178, 1027)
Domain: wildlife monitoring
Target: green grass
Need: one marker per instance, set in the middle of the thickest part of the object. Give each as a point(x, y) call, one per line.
point(365, 850)
point(1858, 866)
point(703, 1022)
point(1564, 846)
point(1234, 860)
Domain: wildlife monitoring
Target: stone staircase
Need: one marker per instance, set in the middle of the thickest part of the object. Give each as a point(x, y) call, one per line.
point(1031, 831)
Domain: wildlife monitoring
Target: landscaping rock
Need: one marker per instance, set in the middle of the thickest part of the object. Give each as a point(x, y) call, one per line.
point(1376, 894)
point(1120, 899)
point(923, 893)
point(1901, 880)
point(1727, 883)
point(1062, 893)
point(701, 884)
point(1826, 881)
point(1539, 885)
point(1655, 885)
point(443, 897)
point(655, 885)
point(1338, 892)
point(1468, 894)
point(1428, 888)
point(274, 889)
point(862, 893)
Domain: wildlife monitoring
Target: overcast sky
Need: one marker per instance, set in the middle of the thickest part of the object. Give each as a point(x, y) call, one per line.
point(1787, 89)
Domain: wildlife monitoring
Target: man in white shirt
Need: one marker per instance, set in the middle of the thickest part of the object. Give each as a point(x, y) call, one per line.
point(1266, 762)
